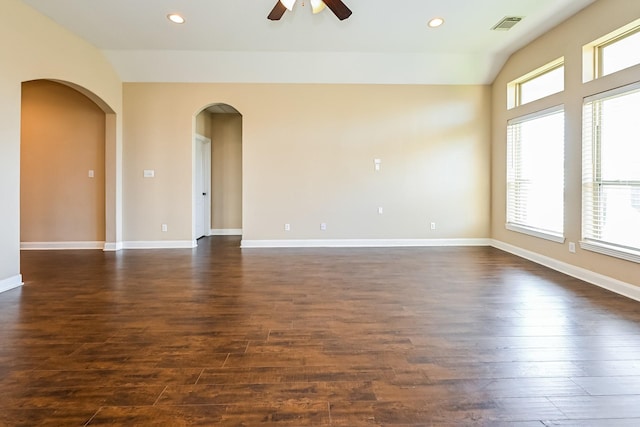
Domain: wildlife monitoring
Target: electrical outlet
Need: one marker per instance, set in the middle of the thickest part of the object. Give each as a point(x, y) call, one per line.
point(323, 226)
point(380, 210)
point(287, 227)
point(572, 247)
point(164, 227)
point(433, 225)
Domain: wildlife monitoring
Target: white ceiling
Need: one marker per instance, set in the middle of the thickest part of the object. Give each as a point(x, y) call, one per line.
point(384, 41)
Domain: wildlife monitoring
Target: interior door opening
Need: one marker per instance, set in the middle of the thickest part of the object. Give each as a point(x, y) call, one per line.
point(220, 209)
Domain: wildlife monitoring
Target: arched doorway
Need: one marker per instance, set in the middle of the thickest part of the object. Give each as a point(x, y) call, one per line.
point(65, 184)
point(220, 126)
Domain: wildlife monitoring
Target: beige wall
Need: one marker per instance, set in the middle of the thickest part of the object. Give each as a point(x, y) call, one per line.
point(62, 138)
point(566, 40)
point(34, 47)
point(308, 153)
point(203, 124)
point(226, 171)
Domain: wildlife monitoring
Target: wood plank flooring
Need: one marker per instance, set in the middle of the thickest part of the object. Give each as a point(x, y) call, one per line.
point(313, 337)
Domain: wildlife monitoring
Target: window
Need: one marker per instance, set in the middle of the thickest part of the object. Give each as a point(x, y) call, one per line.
point(535, 174)
point(544, 81)
point(611, 173)
point(623, 52)
point(616, 51)
point(550, 82)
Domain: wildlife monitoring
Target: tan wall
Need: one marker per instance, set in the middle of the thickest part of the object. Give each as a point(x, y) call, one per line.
point(62, 138)
point(308, 153)
point(203, 124)
point(566, 40)
point(34, 47)
point(226, 171)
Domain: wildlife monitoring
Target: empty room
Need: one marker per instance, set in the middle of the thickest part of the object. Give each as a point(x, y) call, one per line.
point(320, 213)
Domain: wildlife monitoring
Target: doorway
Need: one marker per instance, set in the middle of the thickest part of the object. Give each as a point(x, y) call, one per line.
point(63, 172)
point(218, 140)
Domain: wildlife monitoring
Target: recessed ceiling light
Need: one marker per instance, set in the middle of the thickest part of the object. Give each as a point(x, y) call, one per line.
point(175, 18)
point(436, 22)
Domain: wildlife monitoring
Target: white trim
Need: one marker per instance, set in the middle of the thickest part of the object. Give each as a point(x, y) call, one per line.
point(11, 283)
point(622, 288)
point(160, 244)
point(47, 246)
point(113, 246)
point(633, 87)
point(225, 232)
point(611, 250)
point(361, 243)
point(547, 235)
point(536, 114)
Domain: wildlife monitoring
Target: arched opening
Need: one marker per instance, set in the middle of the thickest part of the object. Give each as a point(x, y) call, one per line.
point(220, 127)
point(67, 168)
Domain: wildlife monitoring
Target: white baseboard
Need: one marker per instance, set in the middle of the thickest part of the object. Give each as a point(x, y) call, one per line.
point(48, 246)
point(225, 232)
point(623, 288)
point(11, 283)
point(113, 246)
point(160, 244)
point(361, 243)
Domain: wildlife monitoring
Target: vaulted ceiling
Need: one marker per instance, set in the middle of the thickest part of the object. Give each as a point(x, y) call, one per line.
point(384, 41)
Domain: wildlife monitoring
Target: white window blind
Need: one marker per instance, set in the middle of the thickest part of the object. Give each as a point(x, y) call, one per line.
point(535, 174)
point(611, 173)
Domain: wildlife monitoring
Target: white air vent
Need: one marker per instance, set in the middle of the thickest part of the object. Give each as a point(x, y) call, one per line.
point(507, 23)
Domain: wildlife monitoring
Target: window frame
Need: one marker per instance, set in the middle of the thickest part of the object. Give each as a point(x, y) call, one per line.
point(552, 235)
point(514, 88)
point(592, 66)
point(599, 57)
point(592, 179)
point(520, 84)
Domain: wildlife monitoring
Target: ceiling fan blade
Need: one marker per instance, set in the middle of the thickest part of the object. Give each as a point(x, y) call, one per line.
point(278, 10)
point(338, 8)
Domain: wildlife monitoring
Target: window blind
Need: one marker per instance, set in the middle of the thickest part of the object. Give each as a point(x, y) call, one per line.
point(535, 173)
point(611, 170)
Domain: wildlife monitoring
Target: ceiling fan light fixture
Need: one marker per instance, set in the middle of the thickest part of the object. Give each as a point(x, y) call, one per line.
point(338, 8)
point(317, 6)
point(288, 4)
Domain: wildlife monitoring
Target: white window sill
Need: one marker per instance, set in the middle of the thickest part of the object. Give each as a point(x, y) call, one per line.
point(611, 250)
point(558, 238)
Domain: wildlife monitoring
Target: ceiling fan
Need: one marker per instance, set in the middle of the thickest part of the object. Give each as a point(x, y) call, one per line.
point(337, 7)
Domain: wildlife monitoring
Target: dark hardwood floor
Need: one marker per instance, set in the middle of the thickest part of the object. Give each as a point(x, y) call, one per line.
point(313, 337)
